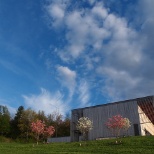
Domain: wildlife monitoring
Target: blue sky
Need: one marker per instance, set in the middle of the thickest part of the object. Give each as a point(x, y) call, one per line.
point(66, 54)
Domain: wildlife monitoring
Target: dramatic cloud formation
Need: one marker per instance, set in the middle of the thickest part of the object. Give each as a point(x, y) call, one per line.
point(94, 32)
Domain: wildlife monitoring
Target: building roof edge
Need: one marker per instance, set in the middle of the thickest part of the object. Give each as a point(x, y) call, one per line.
point(111, 103)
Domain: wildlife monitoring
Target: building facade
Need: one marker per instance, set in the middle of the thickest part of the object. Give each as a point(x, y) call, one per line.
point(139, 111)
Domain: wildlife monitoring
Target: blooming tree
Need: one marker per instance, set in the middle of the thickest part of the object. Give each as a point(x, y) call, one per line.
point(39, 128)
point(48, 131)
point(116, 123)
point(127, 123)
point(84, 125)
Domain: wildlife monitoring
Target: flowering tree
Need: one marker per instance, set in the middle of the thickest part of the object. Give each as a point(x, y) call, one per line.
point(49, 131)
point(84, 125)
point(38, 128)
point(116, 123)
point(127, 124)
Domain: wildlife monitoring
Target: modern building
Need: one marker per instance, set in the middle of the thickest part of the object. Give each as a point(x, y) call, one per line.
point(139, 111)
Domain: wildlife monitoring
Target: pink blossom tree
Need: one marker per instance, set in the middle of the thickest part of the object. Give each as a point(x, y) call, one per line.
point(117, 123)
point(39, 128)
point(48, 131)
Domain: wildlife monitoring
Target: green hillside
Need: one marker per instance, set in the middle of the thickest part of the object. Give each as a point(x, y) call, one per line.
point(129, 145)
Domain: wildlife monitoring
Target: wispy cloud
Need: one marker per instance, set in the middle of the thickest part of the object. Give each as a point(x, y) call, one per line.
point(84, 94)
point(47, 101)
point(67, 78)
point(10, 66)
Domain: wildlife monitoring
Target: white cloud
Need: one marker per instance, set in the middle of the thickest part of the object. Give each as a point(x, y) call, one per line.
point(90, 28)
point(118, 83)
point(47, 101)
point(99, 11)
point(67, 78)
point(83, 29)
point(75, 49)
point(125, 53)
point(57, 13)
point(91, 1)
point(84, 94)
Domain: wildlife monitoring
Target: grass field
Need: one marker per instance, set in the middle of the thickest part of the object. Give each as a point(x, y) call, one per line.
point(129, 145)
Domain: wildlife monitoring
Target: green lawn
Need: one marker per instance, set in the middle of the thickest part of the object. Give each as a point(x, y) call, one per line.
point(129, 145)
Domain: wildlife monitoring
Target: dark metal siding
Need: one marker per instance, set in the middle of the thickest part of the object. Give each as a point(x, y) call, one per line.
point(99, 115)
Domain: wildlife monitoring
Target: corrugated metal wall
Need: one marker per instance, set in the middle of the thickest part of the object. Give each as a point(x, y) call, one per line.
point(76, 114)
point(99, 115)
point(60, 139)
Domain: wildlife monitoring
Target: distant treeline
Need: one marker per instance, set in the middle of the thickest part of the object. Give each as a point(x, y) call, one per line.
point(19, 127)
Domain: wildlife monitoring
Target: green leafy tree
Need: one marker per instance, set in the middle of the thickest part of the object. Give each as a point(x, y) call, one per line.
point(64, 127)
point(24, 125)
point(15, 130)
point(41, 116)
point(4, 120)
point(55, 119)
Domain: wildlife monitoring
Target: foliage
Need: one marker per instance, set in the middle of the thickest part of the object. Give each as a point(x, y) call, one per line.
point(127, 124)
point(41, 116)
point(56, 120)
point(24, 125)
point(15, 130)
point(4, 120)
point(39, 128)
point(5, 139)
point(48, 131)
point(64, 128)
point(116, 123)
point(19, 126)
point(84, 125)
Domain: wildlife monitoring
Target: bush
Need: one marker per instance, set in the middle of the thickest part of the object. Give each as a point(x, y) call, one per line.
point(4, 139)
